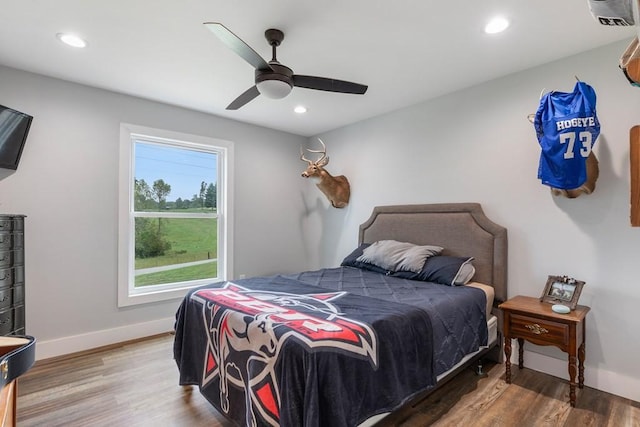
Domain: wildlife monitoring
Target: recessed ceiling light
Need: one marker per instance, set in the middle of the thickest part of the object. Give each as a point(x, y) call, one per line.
point(300, 109)
point(71, 40)
point(496, 25)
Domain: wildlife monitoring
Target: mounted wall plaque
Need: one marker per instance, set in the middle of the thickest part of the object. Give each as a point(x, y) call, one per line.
point(634, 165)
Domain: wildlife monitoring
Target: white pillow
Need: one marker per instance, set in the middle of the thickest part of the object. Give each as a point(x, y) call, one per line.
point(466, 272)
point(398, 256)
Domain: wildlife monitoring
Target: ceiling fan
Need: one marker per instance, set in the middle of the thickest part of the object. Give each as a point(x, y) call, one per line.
point(272, 79)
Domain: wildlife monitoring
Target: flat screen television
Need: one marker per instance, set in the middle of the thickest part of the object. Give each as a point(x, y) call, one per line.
point(14, 128)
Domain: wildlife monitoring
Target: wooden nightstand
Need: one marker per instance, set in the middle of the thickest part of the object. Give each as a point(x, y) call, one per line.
point(526, 318)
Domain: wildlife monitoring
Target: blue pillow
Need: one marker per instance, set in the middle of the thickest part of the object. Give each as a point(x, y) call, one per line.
point(351, 260)
point(443, 269)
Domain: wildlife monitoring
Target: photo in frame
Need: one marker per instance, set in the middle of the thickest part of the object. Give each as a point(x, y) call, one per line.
point(562, 290)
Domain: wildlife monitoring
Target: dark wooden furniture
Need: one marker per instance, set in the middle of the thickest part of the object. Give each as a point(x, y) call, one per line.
point(12, 313)
point(527, 318)
point(17, 355)
point(634, 166)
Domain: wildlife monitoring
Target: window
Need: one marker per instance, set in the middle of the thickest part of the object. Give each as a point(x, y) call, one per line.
point(174, 214)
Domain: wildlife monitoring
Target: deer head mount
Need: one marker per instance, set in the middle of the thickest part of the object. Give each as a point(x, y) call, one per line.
point(593, 172)
point(336, 188)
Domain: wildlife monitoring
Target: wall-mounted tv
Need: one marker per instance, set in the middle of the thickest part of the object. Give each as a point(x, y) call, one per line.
point(14, 128)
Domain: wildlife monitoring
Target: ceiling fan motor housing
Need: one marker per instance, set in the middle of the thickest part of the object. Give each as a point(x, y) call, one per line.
point(278, 72)
point(275, 83)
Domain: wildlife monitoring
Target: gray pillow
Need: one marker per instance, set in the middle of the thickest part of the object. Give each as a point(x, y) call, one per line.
point(392, 255)
point(351, 260)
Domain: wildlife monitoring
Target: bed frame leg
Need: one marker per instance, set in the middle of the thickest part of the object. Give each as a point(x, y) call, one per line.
point(187, 391)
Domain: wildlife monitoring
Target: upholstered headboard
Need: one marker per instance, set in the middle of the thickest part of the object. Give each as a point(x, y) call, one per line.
point(462, 229)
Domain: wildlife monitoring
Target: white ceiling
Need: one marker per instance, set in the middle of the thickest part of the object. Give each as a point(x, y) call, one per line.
point(406, 51)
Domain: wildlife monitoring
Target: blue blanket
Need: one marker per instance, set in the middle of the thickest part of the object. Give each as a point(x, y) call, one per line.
point(285, 351)
point(457, 312)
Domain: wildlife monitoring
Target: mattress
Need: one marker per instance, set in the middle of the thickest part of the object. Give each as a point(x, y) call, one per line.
point(489, 292)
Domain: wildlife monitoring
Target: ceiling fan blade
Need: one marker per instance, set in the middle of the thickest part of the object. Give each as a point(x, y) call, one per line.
point(247, 95)
point(330, 85)
point(236, 44)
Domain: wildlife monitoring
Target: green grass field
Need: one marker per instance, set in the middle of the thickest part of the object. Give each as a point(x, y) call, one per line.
point(195, 272)
point(192, 239)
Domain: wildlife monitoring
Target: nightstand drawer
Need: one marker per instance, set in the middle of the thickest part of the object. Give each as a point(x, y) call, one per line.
point(542, 330)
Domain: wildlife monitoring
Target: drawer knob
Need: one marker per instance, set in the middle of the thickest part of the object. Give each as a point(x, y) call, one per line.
point(536, 329)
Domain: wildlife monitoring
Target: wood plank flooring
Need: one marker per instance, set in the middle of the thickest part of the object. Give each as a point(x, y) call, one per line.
point(136, 384)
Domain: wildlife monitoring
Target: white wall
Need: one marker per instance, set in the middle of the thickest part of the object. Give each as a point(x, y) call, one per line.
point(477, 145)
point(473, 145)
point(67, 183)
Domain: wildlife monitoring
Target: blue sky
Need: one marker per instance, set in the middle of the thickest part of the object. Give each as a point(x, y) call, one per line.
point(183, 169)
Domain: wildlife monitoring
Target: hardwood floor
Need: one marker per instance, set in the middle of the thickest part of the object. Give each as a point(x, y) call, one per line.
point(136, 384)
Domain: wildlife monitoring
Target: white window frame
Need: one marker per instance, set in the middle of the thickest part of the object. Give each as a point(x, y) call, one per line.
point(127, 293)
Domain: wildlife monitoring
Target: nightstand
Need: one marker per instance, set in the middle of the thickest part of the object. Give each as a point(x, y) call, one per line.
point(527, 318)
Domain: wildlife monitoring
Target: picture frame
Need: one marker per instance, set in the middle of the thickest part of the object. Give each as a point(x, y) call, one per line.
point(562, 290)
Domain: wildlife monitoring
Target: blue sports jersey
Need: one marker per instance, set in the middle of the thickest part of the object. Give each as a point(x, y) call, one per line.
point(567, 127)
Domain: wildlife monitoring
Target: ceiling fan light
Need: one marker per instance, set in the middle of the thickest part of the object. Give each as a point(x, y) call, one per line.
point(274, 89)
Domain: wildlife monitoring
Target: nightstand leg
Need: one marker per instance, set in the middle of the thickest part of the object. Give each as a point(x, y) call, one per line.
point(573, 362)
point(507, 358)
point(520, 353)
point(581, 352)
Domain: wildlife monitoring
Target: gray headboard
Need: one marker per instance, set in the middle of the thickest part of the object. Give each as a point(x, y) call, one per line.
point(461, 228)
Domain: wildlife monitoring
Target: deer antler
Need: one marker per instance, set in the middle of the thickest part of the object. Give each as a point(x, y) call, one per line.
point(303, 158)
point(323, 151)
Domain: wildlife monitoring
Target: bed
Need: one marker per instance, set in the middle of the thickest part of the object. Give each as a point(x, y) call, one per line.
point(350, 345)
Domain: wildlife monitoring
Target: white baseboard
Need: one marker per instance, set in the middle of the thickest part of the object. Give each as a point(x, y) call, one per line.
point(88, 341)
point(610, 382)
